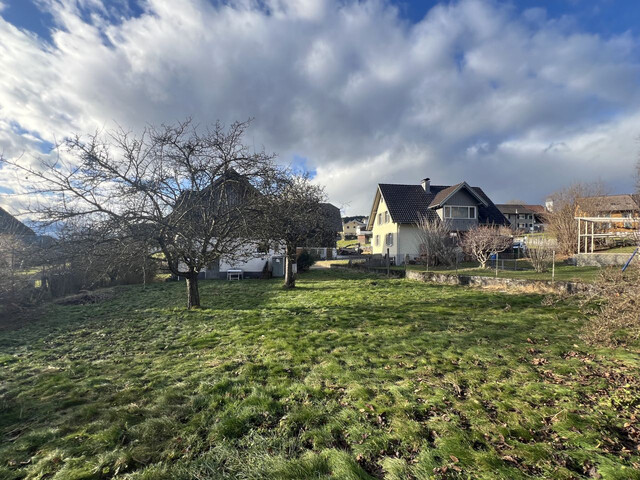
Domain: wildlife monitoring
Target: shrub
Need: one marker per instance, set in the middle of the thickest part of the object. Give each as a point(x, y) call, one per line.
point(540, 252)
point(305, 261)
point(614, 308)
point(437, 247)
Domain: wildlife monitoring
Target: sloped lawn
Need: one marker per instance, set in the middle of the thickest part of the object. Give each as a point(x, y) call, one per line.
point(347, 377)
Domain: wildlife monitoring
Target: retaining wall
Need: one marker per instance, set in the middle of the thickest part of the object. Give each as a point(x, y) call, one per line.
point(477, 281)
point(603, 259)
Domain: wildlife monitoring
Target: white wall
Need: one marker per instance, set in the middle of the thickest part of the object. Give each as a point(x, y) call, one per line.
point(409, 243)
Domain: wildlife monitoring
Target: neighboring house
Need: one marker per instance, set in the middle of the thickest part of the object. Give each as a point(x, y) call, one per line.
point(253, 257)
point(351, 228)
point(10, 225)
point(397, 209)
point(328, 228)
point(322, 242)
point(14, 236)
point(259, 257)
point(613, 206)
point(524, 217)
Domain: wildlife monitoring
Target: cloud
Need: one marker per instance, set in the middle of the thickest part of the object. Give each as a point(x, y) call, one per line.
point(518, 103)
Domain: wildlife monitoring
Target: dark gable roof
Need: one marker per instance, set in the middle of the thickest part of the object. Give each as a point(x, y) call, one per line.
point(11, 225)
point(442, 194)
point(407, 203)
point(410, 203)
point(332, 217)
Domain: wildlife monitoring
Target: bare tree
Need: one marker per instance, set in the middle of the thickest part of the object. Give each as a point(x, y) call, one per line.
point(436, 244)
point(576, 199)
point(482, 241)
point(294, 214)
point(540, 251)
point(194, 192)
point(86, 256)
point(15, 250)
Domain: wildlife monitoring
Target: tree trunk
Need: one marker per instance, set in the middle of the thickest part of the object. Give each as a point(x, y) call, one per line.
point(193, 294)
point(289, 277)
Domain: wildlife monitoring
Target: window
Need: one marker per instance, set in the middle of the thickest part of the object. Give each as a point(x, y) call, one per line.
point(379, 219)
point(389, 239)
point(377, 240)
point(460, 213)
point(387, 218)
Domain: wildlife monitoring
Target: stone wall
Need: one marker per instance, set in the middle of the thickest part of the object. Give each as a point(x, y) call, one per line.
point(603, 259)
point(477, 281)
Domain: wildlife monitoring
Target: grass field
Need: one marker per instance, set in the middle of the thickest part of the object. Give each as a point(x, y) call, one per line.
point(349, 243)
point(347, 377)
point(562, 272)
point(628, 250)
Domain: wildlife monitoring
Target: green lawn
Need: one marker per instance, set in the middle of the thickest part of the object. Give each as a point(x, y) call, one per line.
point(620, 250)
point(348, 377)
point(349, 243)
point(562, 272)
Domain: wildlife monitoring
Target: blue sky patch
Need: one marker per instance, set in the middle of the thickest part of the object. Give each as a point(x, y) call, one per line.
point(300, 167)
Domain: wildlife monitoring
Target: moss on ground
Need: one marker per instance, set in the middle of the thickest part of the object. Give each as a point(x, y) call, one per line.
point(347, 377)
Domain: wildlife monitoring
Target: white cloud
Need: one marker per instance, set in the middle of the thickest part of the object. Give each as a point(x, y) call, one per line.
point(517, 104)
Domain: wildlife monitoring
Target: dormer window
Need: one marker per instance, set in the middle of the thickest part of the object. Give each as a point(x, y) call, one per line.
point(460, 213)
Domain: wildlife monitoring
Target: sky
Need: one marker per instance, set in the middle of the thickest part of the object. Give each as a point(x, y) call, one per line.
point(519, 97)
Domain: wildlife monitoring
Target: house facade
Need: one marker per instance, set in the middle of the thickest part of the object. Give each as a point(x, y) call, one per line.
point(397, 210)
point(351, 228)
point(528, 218)
point(614, 207)
point(260, 259)
point(255, 257)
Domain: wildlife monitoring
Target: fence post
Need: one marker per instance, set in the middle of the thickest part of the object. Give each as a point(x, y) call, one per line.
point(496, 264)
point(388, 264)
point(553, 267)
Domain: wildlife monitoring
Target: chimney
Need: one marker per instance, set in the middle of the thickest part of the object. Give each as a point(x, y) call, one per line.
point(426, 184)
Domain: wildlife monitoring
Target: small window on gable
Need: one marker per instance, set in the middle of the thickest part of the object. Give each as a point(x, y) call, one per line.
point(377, 240)
point(387, 218)
point(379, 219)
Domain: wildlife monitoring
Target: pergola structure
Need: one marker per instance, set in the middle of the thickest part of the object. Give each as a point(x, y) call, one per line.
point(587, 230)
